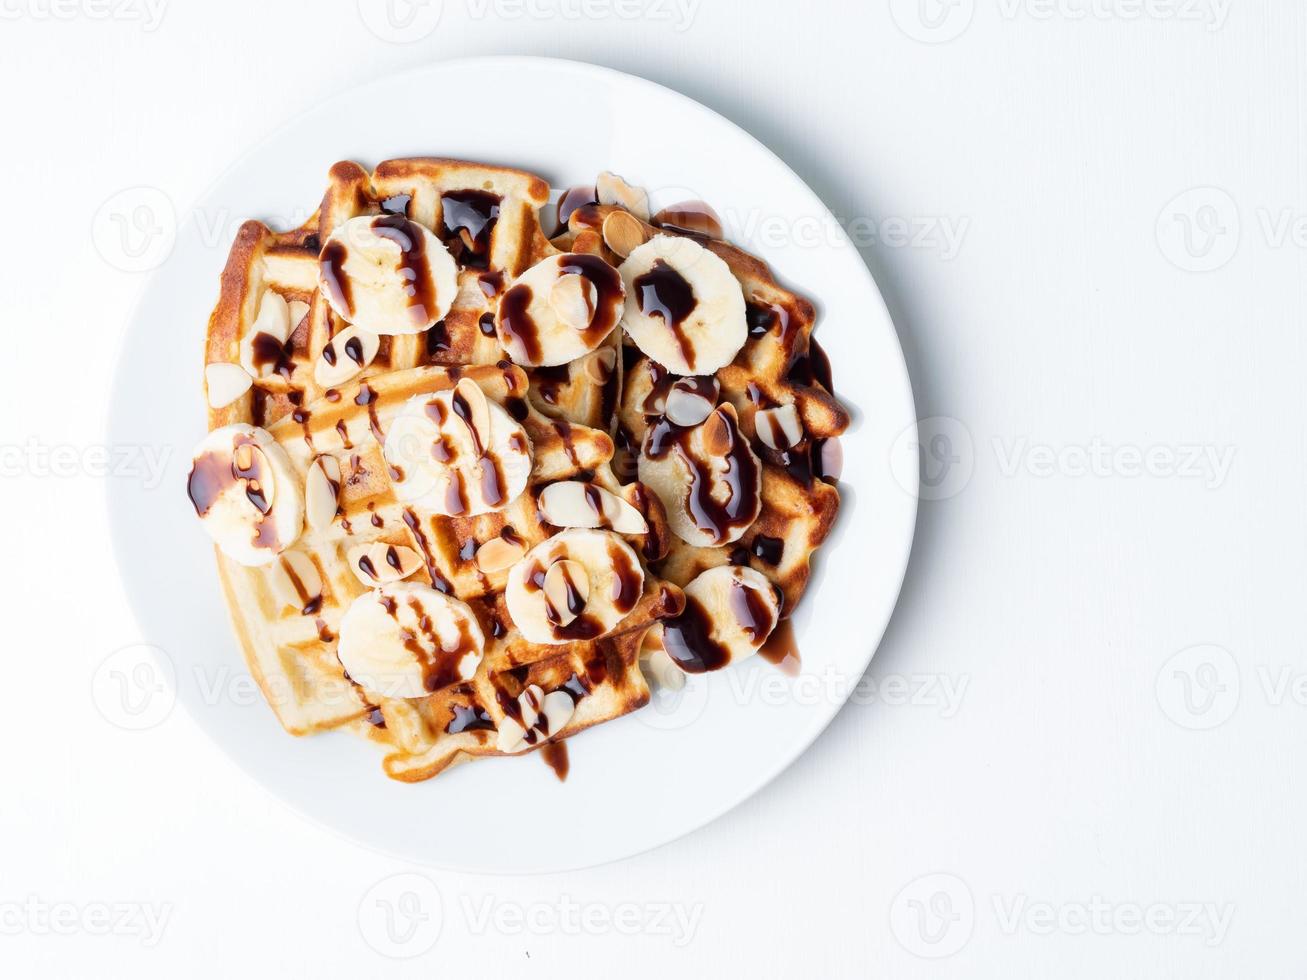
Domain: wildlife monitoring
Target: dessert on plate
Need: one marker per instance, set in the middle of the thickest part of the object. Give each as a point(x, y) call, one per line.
point(474, 484)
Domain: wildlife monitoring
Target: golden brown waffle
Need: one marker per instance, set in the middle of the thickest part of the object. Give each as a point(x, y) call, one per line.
point(288, 262)
point(287, 614)
point(288, 636)
point(780, 364)
point(291, 652)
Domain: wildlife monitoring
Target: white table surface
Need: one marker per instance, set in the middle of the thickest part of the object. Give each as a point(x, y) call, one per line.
point(1040, 777)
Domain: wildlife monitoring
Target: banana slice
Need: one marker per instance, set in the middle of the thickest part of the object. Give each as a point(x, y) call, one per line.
point(458, 453)
point(406, 640)
point(263, 348)
point(246, 494)
point(387, 275)
point(542, 716)
point(707, 476)
point(577, 585)
point(686, 308)
point(345, 355)
point(559, 309)
point(729, 612)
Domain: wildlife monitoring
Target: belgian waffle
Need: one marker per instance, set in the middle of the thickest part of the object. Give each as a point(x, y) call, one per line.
point(324, 351)
point(780, 364)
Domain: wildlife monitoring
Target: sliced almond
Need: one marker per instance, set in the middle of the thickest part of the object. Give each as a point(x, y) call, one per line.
point(499, 553)
point(512, 731)
point(695, 217)
point(662, 668)
point(832, 459)
point(612, 189)
point(599, 365)
point(717, 431)
point(250, 464)
point(298, 311)
point(511, 734)
point(688, 403)
point(571, 503)
point(345, 355)
point(622, 517)
point(269, 330)
point(567, 587)
point(225, 383)
point(469, 404)
point(573, 299)
point(297, 582)
point(378, 563)
point(587, 242)
point(273, 317)
point(555, 712)
point(322, 492)
point(529, 701)
point(779, 428)
point(624, 233)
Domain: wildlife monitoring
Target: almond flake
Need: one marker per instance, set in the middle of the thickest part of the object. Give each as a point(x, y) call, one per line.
point(687, 404)
point(499, 553)
point(622, 517)
point(567, 587)
point(600, 364)
point(512, 732)
point(378, 563)
point(225, 383)
point(587, 243)
point(573, 299)
point(298, 311)
point(469, 403)
point(612, 189)
point(624, 233)
point(779, 428)
point(345, 355)
point(662, 668)
point(273, 317)
point(297, 582)
point(321, 492)
point(555, 712)
point(717, 431)
point(269, 330)
point(574, 504)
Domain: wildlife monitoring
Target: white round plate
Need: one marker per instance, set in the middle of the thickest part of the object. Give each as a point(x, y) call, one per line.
point(644, 779)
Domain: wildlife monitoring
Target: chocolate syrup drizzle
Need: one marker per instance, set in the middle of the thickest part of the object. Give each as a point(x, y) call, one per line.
point(213, 474)
point(332, 269)
point(518, 328)
point(573, 199)
point(688, 638)
point(694, 218)
point(742, 475)
point(413, 267)
point(470, 718)
point(665, 293)
point(469, 217)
